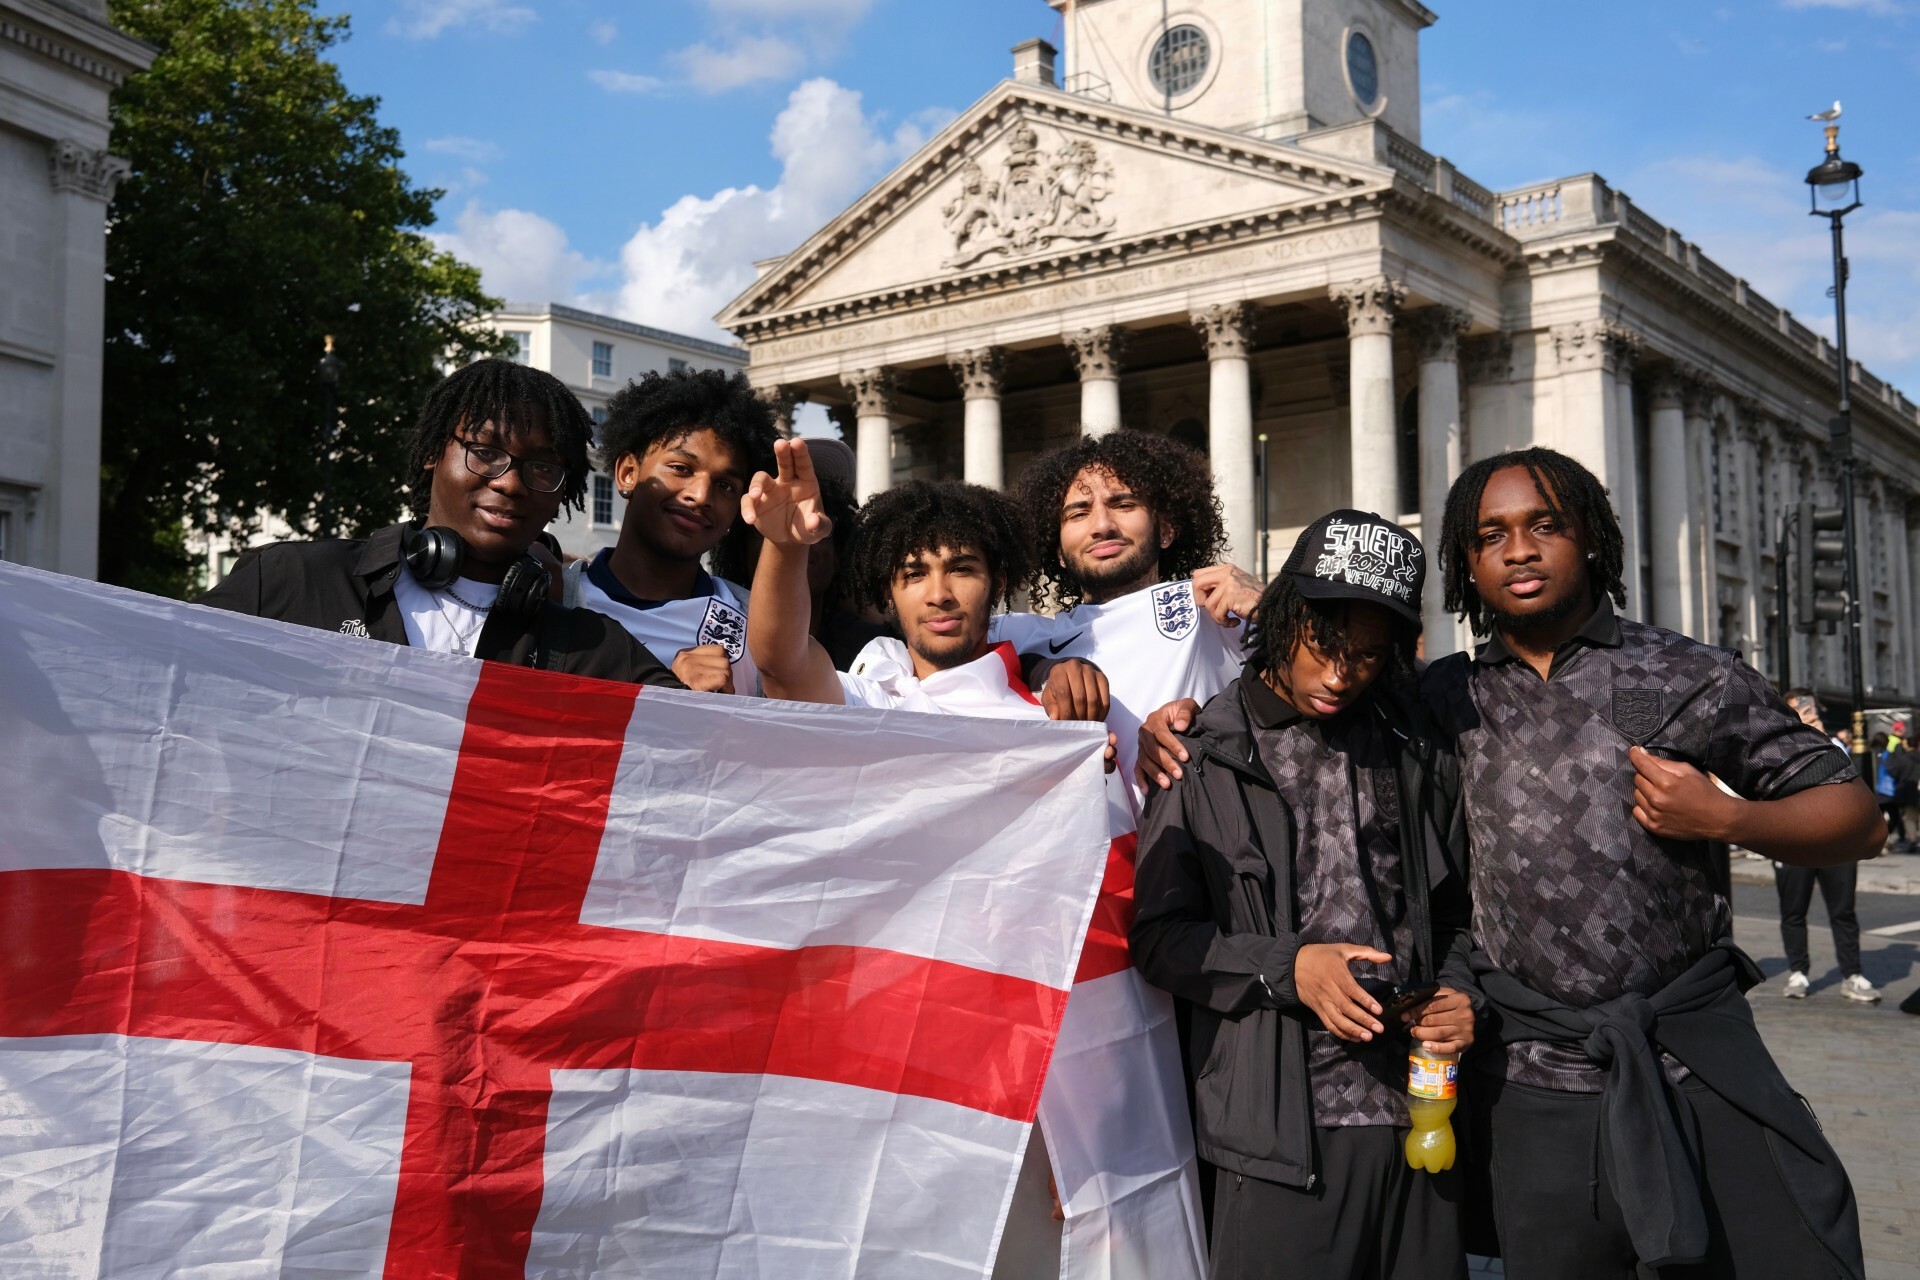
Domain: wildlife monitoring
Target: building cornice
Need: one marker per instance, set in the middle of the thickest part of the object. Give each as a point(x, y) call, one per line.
point(532, 311)
point(76, 40)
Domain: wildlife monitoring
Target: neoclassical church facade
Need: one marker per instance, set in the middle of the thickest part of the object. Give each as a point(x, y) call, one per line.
point(1222, 225)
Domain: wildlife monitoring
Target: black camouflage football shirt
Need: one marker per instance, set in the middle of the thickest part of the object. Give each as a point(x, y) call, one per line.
point(1571, 895)
point(1337, 779)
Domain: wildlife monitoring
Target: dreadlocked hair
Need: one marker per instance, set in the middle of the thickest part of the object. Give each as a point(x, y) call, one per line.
point(1285, 618)
point(660, 408)
point(1174, 481)
point(516, 399)
point(927, 515)
point(1574, 495)
point(739, 552)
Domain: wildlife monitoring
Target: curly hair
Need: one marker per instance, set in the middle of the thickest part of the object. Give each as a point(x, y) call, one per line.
point(923, 515)
point(1571, 492)
point(660, 408)
point(1174, 481)
point(739, 552)
point(516, 399)
point(1285, 618)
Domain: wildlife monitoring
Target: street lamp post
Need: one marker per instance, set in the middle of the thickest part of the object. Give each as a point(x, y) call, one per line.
point(328, 370)
point(1835, 184)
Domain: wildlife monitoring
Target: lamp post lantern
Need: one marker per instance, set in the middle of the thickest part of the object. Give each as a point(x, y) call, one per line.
point(1835, 187)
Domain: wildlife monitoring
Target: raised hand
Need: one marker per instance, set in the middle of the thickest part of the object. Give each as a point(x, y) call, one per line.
point(1227, 592)
point(787, 509)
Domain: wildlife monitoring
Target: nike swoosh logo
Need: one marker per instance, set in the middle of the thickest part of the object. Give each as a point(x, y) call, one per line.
point(1055, 646)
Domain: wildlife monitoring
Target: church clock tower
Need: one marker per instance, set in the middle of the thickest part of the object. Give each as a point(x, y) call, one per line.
point(1276, 69)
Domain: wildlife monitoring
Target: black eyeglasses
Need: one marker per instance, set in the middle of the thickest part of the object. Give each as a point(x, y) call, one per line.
point(485, 460)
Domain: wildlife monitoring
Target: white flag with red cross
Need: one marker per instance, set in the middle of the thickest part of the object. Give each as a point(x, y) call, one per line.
point(324, 957)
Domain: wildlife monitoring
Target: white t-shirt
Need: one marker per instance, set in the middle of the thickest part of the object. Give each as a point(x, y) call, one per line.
point(438, 622)
point(1154, 645)
point(715, 614)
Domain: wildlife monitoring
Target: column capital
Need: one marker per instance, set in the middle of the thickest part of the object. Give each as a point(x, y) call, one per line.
point(1370, 305)
point(979, 372)
point(1488, 358)
point(1097, 352)
point(781, 399)
point(1593, 344)
point(1698, 391)
point(872, 391)
point(84, 170)
point(1619, 346)
point(1437, 332)
point(1227, 328)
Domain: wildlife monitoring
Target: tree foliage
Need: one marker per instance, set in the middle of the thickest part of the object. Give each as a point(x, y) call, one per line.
point(266, 209)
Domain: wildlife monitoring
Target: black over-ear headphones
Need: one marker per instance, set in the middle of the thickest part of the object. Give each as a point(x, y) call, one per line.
point(436, 554)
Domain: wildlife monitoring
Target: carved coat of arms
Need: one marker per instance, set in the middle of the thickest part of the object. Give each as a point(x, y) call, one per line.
point(1037, 199)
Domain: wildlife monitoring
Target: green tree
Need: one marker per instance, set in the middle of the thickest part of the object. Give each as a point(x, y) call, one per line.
point(266, 209)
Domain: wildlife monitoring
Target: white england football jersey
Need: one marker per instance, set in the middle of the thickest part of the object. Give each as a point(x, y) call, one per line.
point(715, 614)
point(1155, 645)
point(990, 685)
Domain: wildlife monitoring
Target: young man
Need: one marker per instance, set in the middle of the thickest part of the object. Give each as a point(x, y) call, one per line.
point(1838, 885)
point(1127, 530)
point(1300, 852)
point(682, 448)
point(497, 449)
point(937, 560)
point(1629, 1112)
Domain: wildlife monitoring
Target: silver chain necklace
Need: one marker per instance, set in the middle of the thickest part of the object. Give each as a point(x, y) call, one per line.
point(461, 640)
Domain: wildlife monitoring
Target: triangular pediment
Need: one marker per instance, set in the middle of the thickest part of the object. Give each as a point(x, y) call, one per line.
point(1030, 175)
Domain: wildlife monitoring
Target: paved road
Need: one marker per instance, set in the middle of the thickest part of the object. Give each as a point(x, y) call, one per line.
point(1859, 1065)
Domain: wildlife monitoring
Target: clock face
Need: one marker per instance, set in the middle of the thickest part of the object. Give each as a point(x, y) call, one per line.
point(1363, 69)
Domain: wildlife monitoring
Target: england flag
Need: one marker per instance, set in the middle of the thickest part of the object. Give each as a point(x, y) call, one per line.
point(330, 958)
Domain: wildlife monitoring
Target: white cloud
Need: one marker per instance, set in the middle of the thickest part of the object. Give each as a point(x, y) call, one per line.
point(522, 256)
point(1880, 7)
point(841, 10)
point(478, 150)
point(426, 19)
point(698, 255)
point(626, 82)
point(603, 32)
point(748, 60)
point(1752, 220)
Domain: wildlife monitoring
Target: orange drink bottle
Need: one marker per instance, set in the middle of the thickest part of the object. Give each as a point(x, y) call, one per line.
point(1433, 1085)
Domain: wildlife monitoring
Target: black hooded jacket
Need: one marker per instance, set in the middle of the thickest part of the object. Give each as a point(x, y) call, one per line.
point(347, 586)
point(1216, 920)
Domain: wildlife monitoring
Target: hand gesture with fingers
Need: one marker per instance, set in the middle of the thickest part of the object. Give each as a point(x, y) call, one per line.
point(1672, 798)
point(1444, 1023)
point(1227, 592)
point(1161, 751)
point(786, 508)
point(1323, 979)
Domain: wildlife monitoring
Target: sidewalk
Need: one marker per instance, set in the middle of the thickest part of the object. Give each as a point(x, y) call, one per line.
point(1856, 1065)
point(1888, 873)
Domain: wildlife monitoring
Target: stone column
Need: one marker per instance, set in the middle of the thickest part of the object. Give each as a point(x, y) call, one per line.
point(782, 399)
point(1622, 350)
point(1907, 587)
point(872, 392)
point(1487, 367)
point(979, 373)
point(1373, 429)
point(1436, 332)
point(1588, 399)
point(1746, 442)
point(83, 181)
point(1097, 354)
point(1669, 503)
point(1870, 549)
point(1697, 394)
point(1894, 513)
point(1228, 331)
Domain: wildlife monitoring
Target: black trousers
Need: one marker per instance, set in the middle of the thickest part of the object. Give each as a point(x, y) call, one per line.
point(1837, 885)
point(1557, 1215)
point(1369, 1216)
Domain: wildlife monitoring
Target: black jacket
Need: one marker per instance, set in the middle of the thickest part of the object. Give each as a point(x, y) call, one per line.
point(1702, 1018)
point(1216, 921)
point(347, 586)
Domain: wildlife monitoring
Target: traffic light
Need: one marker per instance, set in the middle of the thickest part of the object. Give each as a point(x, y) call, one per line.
point(1821, 586)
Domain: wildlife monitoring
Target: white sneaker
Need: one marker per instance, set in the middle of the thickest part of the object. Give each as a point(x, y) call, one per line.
point(1796, 986)
point(1858, 988)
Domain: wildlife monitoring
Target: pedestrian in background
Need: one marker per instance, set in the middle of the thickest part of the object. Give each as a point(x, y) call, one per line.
point(1837, 887)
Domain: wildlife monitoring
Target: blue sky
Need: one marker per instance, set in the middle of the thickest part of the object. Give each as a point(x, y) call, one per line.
point(637, 157)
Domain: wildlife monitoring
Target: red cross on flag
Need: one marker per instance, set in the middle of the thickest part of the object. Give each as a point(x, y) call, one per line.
point(324, 957)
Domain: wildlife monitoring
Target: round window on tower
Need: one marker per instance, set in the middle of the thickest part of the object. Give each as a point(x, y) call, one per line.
point(1179, 60)
point(1363, 69)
